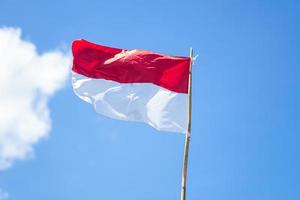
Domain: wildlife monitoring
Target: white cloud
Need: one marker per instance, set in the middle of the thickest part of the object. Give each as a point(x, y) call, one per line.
point(3, 195)
point(27, 80)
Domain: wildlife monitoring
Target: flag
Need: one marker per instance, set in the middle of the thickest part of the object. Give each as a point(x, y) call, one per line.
point(133, 85)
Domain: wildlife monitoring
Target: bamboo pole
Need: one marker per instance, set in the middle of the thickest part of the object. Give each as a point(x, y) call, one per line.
point(188, 134)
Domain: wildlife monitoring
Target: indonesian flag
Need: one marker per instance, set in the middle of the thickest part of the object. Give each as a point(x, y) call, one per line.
point(133, 85)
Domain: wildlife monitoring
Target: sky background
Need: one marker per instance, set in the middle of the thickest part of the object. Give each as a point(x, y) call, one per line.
point(245, 118)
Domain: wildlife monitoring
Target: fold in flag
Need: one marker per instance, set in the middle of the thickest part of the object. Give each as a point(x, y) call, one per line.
point(133, 85)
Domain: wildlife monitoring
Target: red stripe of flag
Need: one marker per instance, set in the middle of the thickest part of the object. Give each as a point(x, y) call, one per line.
point(130, 66)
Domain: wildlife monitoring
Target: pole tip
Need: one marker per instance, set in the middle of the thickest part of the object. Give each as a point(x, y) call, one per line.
point(191, 52)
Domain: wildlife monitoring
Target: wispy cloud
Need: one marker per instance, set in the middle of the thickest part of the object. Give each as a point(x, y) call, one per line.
point(3, 195)
point(27, 80)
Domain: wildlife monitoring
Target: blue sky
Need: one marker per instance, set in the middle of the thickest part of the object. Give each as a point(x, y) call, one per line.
point(246, 112)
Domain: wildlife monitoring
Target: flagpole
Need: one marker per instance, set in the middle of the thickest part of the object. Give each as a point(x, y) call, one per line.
point(188, 134)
